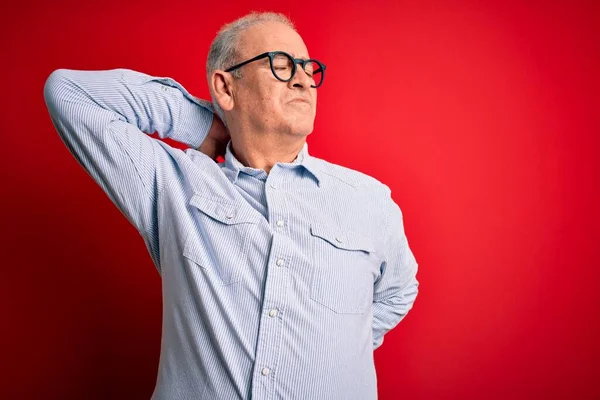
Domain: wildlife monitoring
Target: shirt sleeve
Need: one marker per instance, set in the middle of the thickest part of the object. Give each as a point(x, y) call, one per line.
point(105, 118)
point(397, 288)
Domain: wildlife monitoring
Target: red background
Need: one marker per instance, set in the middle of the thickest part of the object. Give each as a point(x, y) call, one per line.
point(483, 118)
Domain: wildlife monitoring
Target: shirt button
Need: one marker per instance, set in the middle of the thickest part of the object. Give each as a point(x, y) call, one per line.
point(273, 186)
point(273, 313)
point(339, 239)
point(265, 371)
point(280, 223)
point(280, 262)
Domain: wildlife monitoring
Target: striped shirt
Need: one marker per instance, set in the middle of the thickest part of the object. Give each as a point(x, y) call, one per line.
point(275, 286)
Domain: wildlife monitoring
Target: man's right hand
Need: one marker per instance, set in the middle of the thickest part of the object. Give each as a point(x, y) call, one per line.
point(216, 140)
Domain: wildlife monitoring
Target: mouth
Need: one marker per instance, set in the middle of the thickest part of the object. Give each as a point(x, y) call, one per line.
point(300, 100)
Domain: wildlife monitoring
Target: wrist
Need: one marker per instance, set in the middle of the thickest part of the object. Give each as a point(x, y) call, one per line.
point(194, 123)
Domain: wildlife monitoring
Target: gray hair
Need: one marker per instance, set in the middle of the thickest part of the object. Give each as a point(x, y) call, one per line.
point(223, 51)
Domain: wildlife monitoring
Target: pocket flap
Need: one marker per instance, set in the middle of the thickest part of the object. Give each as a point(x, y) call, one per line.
point(224, 212)
point(341, 238)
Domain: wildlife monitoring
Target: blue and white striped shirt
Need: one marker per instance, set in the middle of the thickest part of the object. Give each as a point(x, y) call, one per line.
point(275, 286)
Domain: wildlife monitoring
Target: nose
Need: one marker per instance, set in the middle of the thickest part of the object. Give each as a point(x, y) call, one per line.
point(301, 78)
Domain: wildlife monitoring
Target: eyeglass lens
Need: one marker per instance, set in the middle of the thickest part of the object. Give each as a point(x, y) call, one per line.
point(282, 65)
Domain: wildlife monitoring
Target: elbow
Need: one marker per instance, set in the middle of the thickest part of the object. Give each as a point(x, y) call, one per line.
point(410, 292)
point(55, 89)
point(405, 299)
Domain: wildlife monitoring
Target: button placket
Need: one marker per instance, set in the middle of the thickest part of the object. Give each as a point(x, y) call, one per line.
point(275, 290)
point(275, 294)
point(278, 208)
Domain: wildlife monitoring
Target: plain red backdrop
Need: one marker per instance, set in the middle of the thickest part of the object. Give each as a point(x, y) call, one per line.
point(483, 118)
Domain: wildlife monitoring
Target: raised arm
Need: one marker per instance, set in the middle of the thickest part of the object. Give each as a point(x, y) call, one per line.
point(103, 117)
point(397, 287)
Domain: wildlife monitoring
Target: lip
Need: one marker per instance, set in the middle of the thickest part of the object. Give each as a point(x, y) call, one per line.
point(300, 100)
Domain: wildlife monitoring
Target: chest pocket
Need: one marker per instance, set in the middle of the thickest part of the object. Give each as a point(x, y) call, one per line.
point(218, 240)
point(343, 265)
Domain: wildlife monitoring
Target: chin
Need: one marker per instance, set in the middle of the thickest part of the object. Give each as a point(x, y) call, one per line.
point(298, 128)
point(302, 131)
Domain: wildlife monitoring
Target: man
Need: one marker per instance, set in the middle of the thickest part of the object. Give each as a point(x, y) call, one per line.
point(281, 272)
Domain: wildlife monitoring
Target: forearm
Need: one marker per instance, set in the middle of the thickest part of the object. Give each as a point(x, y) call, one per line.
point(396, 289)
point(389, 311)
point(151, 104)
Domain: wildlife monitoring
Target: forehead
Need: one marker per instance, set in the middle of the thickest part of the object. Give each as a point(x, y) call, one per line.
point(271, 36)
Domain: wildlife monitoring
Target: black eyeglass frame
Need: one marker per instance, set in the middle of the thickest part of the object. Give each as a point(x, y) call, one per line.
point(272, 54)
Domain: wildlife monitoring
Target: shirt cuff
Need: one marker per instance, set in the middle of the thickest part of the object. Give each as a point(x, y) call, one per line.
point(193, 123)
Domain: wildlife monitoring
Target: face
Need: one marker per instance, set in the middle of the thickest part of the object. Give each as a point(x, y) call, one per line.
point(261, 101)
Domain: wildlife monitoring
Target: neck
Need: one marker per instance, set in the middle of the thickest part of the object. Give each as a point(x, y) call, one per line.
point(264, 151)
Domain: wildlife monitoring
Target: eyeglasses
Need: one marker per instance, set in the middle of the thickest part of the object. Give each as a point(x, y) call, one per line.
point(283, 67)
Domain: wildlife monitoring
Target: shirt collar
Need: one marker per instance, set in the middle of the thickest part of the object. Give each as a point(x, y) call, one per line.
point(233, 167)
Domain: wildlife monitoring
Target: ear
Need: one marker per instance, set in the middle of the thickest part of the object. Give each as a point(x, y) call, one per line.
point(222, 84)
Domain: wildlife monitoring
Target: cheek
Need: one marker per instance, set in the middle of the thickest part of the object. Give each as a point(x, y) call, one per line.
point(272, 102)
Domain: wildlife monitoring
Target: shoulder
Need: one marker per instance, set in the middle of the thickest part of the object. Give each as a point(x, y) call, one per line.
point(345, 176)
